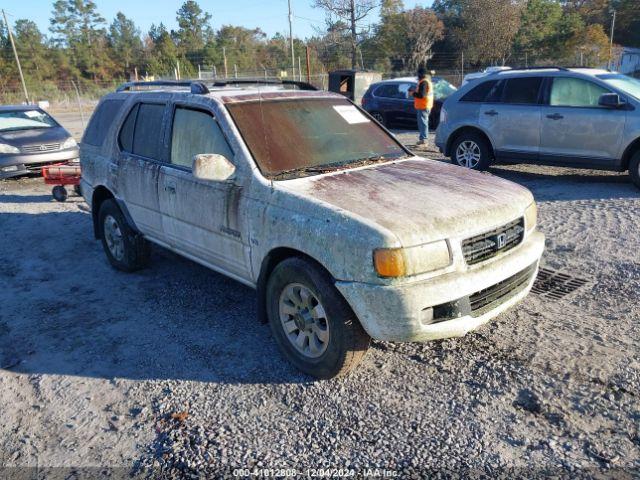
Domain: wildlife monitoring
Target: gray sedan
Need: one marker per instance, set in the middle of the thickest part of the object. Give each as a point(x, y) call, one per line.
point(30, 139)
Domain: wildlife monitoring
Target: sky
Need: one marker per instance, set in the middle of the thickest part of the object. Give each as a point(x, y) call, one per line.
point(269, 15)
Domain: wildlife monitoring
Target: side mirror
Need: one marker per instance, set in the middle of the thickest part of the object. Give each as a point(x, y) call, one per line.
point(610, 100)
point(212, 166)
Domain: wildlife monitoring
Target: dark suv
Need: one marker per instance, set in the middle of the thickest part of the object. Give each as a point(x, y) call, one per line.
point(390, 103)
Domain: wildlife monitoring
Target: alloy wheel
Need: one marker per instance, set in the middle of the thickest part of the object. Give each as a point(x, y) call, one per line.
point(304, 320)
point(113, 237)
point(468, 154)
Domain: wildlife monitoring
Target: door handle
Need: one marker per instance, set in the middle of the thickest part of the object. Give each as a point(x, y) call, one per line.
point(491, 113)
point(555, 116)
point(170, 187)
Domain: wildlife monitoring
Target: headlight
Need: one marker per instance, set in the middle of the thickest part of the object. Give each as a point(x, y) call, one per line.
point(404, 262)
point(69, 143)
point(4, 148)
point(531, 217)
point(443, 115)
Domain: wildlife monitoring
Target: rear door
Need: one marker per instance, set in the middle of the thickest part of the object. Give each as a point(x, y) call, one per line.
point(390, 102)
point(575, 129)
point(408, 111)
point(140, 155)
point(511, 115)
point(202, 219)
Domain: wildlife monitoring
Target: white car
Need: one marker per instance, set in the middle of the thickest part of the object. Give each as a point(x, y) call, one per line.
point(487, 71)
point(345, 234)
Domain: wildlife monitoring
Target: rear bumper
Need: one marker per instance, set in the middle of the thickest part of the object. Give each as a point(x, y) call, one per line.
point(15, 165)
point(408, 312)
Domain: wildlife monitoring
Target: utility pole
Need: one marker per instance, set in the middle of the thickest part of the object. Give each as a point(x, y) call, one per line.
point(308, 66)
point(613, 26)
point(462, 68)
point(354, 38)
point(15, 53)
point(293, 57)
point(224, 56)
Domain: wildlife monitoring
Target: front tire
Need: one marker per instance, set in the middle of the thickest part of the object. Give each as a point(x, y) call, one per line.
point(312, 324)
point(634, 169)
point(472, 151)
point(380, 118)
point(126, 250)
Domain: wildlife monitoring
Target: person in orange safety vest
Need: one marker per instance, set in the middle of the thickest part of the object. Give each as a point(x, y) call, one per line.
point(423, 103)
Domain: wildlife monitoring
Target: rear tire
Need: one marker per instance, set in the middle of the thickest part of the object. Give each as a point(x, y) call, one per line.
point(471, 150)
point(126, 250)
point(312, 324)
point(634, 169)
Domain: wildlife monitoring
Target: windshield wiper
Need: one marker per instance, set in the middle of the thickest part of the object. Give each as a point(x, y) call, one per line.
point(331, 167)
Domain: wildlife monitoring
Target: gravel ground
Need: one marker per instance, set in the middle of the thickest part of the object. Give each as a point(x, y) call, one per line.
point(167, 370)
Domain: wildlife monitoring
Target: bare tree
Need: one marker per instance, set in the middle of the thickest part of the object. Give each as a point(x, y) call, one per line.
point(352, 12)
point(423, 30)
point(488, 28)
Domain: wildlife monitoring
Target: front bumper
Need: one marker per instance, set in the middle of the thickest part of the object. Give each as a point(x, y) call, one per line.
point(22, 164)
point(404, 312)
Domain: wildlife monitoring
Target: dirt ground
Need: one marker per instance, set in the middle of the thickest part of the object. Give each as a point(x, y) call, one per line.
point(167, 370)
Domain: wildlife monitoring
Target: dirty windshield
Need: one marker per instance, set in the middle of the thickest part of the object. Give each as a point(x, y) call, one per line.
point(302, 137)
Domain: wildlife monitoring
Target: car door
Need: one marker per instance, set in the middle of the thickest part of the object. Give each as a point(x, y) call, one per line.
point(139, 156)
point(576, 130)
point(408, 112)
point(389, 100)
point(511, 117)
point(202, 219)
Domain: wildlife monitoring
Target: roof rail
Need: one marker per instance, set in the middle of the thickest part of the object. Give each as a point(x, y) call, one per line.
point(196, 87)
point(200, 88)
point(262, 81)
point(541, 67)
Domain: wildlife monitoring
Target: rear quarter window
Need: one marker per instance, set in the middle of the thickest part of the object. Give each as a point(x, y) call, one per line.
point(480, 92)
point(140, 132)
point(101, 121)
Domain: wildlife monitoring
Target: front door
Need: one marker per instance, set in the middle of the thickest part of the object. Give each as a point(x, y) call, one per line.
point(511, 115)
point(575, 129)
point(202, 219)
point(139, 159)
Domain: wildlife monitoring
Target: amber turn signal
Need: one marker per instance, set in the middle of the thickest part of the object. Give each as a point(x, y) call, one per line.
point(389, 262)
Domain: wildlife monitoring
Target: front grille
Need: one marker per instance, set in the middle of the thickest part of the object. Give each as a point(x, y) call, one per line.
point(41, 148)
point(487, 245)
point(489, 298)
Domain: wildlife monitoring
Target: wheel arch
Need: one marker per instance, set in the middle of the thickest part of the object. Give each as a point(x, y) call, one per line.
point(468, 129)
point(99, 196)
point(270, 261)
point(629, 152)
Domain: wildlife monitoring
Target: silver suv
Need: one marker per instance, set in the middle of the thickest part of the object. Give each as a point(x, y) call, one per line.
point(345, 234)
point(573, 117)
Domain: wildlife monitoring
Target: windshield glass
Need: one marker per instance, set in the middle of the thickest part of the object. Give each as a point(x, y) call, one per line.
point(25, 120)
point(442, 88)
point(627, 84)
point(301, 137)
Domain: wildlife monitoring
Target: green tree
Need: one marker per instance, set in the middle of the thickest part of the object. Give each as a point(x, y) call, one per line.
point(124, 39)
point(539, 26)
point(194, 29)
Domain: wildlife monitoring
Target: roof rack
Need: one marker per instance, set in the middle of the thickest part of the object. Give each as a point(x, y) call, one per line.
point(541, 67)
point(200, 88)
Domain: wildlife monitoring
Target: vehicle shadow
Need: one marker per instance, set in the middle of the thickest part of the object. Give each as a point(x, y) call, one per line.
point(65, 311)
point(9, 198)
point(557, 184)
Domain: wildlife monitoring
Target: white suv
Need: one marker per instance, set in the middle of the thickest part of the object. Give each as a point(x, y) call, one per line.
point(345, 234)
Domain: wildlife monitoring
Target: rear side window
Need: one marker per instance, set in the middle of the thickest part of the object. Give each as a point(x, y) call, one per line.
point(100, 122)
point(196, 132)
point(479, 93)
point(389, 90)
point(523, 90)
point(141, 130)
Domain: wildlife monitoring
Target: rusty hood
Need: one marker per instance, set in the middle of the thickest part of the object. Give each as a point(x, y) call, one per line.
point(419, 200)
